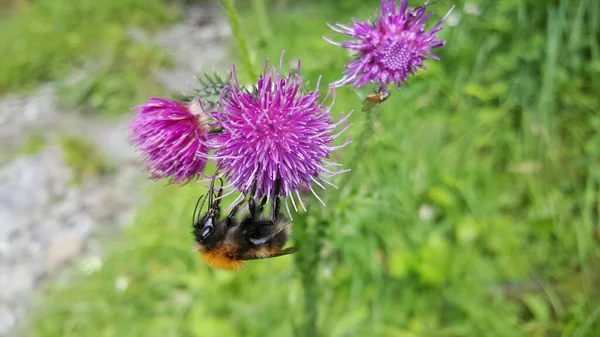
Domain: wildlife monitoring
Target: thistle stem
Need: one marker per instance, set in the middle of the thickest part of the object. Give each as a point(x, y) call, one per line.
point(240, 38)
point(260, 10)
point(311, 297)
point(359, 151)
point(309, 239)
point(311, 235)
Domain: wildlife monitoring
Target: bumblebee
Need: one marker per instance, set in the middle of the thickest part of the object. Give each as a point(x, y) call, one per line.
point(226, 243)
point(375, 99)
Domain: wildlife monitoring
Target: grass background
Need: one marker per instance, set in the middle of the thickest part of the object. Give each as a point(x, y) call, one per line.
point(85, 47)
point(498, 143)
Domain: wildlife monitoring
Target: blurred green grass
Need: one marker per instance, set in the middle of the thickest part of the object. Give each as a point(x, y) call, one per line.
point(46, 40)
point(474, 211)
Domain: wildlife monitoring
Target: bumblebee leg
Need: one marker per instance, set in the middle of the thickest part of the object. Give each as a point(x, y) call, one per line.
point(235, 209)
point(261, 206)
point(252, 207)
point(233, 212)
point(276, 208)
point(276, 205)
point(218, 198)
point(212, 195)
point(255, 210)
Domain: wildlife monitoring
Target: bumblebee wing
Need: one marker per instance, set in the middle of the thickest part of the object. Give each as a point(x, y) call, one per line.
point(287, 251)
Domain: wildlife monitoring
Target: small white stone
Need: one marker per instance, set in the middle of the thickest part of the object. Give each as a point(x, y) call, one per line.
point(7, 320)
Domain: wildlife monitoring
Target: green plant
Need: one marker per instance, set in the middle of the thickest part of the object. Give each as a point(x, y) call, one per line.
point(83, 158)
point(471, 210)
point(50, 41)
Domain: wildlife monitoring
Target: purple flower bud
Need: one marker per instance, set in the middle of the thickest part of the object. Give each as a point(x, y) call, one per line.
point(275, 131)
point(172, 139)
point(389, 49)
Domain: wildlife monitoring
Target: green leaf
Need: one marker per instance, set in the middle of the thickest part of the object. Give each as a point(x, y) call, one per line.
point(538, 307)
point(442, 196)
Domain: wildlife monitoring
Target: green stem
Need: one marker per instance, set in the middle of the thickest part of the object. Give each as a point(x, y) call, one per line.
point(309, 239)
point(311, 235)
point(260, 11)
point(311, 297)
point(240, 39)
point(361, 143)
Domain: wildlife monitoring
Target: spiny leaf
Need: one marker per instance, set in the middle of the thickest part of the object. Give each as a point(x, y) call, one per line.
point(209, 90)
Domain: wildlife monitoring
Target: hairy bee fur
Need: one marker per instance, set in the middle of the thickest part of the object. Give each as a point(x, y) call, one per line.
point(226, 243)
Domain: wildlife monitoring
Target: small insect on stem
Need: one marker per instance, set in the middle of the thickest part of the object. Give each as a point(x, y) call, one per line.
point(413, 12)
point(375, 99)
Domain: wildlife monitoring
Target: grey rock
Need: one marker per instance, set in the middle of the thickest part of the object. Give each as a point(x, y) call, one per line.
point(200, 44)
point(65, 246)
point(15, 280)
point(7, 319)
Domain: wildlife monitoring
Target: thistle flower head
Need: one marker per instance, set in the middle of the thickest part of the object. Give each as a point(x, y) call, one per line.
point(389, 49)
point(275, 131)
point(172, 139)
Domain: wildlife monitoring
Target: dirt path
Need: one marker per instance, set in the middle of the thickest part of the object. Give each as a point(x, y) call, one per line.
point(45, 222)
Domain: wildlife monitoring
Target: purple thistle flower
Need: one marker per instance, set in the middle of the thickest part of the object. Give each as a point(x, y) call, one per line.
point(275, 131)
point(391, 48)
point(171, 138)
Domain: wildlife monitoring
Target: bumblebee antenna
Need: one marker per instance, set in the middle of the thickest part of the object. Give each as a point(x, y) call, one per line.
point(212, 203)
point(194, 218)
point(198, 212)
point(211, 192)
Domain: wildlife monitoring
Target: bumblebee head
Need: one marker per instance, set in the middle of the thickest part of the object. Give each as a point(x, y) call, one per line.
point(210, 234)
point(208, 231)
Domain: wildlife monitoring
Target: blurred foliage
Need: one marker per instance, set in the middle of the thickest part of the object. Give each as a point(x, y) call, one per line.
point(83, 158)
point(47, 40)
point(473, 212)
point(34, 144)
point(116, 80)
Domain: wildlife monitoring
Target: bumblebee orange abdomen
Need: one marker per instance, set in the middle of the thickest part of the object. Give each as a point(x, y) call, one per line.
point(219, 259)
